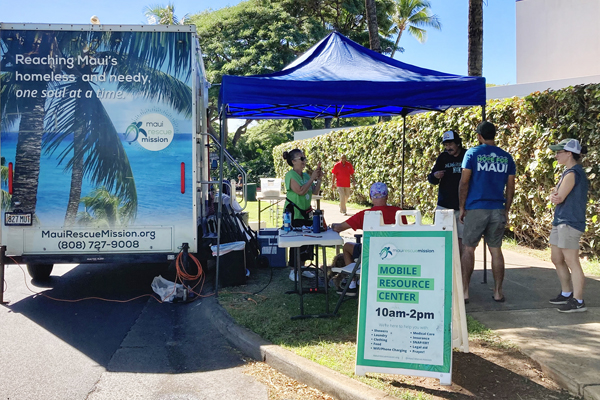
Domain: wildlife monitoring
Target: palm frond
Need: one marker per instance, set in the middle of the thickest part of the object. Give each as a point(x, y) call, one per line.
point(105, 161)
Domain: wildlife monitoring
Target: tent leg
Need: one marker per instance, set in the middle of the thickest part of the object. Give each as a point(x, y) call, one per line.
point(484, 241)
point(223, 120)
point(403, 149)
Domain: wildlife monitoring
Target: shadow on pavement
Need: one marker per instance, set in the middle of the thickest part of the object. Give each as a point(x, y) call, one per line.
point(524, 289)
point(141, 335)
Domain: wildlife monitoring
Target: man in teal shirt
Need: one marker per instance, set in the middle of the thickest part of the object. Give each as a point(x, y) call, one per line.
point(484, 204)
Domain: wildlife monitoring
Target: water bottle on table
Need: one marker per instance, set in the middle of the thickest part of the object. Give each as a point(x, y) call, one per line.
point(287, 221)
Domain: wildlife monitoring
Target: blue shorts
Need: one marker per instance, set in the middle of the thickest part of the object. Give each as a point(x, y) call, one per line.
point(356, 251)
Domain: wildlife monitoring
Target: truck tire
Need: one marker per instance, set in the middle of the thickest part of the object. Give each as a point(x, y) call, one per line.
point(39, 272)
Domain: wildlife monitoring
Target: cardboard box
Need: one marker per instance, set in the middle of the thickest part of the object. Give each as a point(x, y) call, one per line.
point(267, 239)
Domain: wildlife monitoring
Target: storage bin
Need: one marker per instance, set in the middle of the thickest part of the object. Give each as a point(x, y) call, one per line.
point(270, 187)
point(267, 239)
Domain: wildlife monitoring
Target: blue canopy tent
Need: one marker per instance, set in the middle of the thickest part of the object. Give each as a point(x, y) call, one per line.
point(338, 78)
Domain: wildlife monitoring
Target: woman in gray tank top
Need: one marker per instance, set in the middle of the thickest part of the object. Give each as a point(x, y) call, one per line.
point(570, 197)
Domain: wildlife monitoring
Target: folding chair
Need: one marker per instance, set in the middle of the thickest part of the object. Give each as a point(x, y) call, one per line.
point(352, 270)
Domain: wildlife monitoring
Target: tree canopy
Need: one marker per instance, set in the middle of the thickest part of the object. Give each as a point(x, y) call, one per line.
point(262, 36)
point(414, 16)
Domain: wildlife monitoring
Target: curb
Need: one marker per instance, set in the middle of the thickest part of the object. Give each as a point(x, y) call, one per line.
point(299, 368)
point(567, 381)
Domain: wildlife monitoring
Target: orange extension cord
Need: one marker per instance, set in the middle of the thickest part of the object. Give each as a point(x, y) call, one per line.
point(181, 275)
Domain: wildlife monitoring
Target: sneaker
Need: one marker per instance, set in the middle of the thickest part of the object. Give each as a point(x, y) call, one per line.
point(560, 299)
point(573, 306)
point(306, 274)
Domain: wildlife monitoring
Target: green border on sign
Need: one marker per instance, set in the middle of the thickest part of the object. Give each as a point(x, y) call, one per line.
point(364, 276)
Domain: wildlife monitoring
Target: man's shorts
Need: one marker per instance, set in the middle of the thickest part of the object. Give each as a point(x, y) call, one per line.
point(489, 223)
point(356, 251)
point(565, 237)
point(460, 227)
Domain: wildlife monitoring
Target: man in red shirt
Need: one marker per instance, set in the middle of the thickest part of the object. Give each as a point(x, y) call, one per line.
point(379, 197)
point(342, 171)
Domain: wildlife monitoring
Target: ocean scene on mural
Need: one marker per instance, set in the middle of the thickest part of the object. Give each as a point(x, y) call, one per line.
point(157, 176)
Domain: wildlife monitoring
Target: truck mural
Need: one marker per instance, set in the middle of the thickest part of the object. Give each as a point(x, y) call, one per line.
point(98, 142)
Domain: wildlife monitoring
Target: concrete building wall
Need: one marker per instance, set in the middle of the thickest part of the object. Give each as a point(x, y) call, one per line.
point(557, 39)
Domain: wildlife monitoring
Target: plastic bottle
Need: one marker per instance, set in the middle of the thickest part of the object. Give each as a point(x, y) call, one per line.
point(287, 221)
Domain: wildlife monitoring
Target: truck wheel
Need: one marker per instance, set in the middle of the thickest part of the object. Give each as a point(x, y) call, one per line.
point(39, 272)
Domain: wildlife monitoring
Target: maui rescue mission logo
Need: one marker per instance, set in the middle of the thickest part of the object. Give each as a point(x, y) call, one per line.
point(152, 131)
point(390, 251)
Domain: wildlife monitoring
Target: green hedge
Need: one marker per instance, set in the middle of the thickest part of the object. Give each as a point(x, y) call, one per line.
point(526, 127)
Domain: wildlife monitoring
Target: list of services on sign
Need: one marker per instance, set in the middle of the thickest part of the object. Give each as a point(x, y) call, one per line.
point(404, 304)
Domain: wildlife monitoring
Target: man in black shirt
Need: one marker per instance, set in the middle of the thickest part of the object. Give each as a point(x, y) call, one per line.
point(446, 172)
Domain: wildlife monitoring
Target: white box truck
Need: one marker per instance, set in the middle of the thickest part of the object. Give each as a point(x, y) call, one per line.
point(102, 143)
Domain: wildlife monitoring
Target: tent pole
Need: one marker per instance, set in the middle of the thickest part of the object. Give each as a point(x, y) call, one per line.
point(484, 241)
point(223, 129)
point(403, 149)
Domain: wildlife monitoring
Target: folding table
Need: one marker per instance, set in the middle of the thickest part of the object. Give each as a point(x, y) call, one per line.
point(298, 238)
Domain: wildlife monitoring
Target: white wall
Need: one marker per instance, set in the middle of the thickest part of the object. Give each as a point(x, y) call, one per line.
point(557, 39)
point(301, 135)
point(525, 89)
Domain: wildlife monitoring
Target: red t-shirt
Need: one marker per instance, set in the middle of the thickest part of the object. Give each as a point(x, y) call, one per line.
point(342, 173)
point(389, 216)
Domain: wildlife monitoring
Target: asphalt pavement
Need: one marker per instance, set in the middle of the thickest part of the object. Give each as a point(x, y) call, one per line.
point(100, 350)
point(567, 346)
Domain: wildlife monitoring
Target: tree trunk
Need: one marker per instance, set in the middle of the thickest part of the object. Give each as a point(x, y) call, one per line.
point(306, 123)
point(396, 45)
point(76, 180)
point(371, 11)
point(27, 159)
point(476, 37)
point(328, 123)
point(240, 131)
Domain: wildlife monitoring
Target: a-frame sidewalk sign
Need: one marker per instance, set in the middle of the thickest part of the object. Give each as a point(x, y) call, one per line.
point(411, 307)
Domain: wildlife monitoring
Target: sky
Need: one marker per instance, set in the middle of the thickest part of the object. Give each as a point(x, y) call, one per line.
point(444, 50)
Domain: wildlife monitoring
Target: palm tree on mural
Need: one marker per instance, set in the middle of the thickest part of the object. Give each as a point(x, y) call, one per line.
point(27, 108)
point(414, 16)
point(4, 178)
point(475, 55)
point(103, 209)
point(31, 110)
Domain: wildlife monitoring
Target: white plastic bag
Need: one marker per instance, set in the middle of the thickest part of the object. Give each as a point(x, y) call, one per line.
point(168, 290)
point(225, 248)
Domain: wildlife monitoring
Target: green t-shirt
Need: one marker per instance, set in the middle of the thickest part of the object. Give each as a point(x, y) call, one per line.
point(302, 202)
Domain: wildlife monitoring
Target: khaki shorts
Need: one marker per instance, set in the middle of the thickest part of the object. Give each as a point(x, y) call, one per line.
point(489, 223)
point(564, 236)
point(460, 227)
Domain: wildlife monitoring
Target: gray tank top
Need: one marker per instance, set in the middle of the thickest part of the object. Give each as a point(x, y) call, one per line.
point(572, 211)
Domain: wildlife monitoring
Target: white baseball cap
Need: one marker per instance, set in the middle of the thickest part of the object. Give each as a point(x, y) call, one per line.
point(571, 145)
point(448, 136)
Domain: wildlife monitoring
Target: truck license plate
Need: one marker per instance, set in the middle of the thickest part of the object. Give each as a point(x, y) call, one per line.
point(15, 219)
